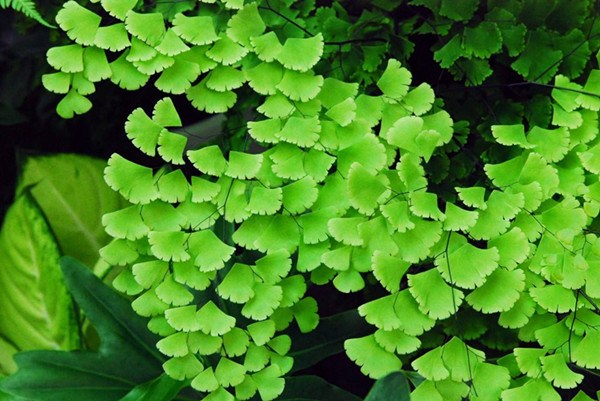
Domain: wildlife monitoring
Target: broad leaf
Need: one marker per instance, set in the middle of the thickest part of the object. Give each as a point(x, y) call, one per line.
point(313, 388)
point(35, 308)
point(107, 375)
point(71, 192)
point(327, 339)
point(393, 387)
point(162, 388)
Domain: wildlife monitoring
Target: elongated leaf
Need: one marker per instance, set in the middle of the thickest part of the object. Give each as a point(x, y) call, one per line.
point(71, 192)
point(127, 355)
point(35, 308)
point(393, 387)
point(162, 388)
point(313, 388)
point(327, 339)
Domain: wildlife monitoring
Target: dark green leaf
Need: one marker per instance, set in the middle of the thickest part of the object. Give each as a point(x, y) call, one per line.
point(127, 355)
point(327, 339)
point(313, 388)
point(162, 388)
point(393, 387)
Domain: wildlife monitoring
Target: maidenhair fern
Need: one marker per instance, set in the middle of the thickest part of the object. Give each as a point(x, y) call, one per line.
point(27, 8)
point(333, 178)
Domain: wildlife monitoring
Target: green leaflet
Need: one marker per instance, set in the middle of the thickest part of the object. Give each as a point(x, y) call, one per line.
point(310, 48)
point(395, 80)
point(112, 37)
point(80, 24)
point(373, 360)
point(466, 265)
point(435, 297)
point(28, 248)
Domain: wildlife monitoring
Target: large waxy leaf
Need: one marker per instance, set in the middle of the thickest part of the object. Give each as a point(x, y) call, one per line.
point(71, 192)
point(391, 387)
point(80, 376)
point(327, 339)
point(35, 308)
point(162, 388)
point(313, 388)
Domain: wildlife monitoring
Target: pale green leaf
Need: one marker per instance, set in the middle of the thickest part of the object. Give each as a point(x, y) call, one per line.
point(136, 183)
point(213, 320)
point(118, 8)
point(465, 265)
point(225, 51)
point(36, 307)
point(71, 192)
point(113, 37)
point(148, 27)
point(500, 291)
point(245, 24)
point(311, 50)
point(395, 80)
point(78, 22)
point(435, 298)
point(205, 99)
point(302, 86)
point(68, 58)
point(171, 44)
point(126, 75)
point(374, 361)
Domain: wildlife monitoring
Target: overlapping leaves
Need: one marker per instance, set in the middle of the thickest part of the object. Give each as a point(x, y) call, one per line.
point(341, 189)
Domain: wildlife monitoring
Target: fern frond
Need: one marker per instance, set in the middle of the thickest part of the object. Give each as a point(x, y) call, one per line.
point(27, 8)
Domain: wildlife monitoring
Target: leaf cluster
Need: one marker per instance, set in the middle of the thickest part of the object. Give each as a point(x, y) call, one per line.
point(487, 276)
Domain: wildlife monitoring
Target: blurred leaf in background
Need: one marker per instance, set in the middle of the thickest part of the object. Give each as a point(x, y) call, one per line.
point(127, 356)
point(72, 194)
point(35, 307)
